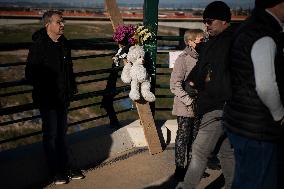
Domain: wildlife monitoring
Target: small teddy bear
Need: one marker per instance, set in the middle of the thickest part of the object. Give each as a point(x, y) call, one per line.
point(135, 73)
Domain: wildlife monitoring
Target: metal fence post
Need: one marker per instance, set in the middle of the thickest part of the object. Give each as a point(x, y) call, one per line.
point(150, 20)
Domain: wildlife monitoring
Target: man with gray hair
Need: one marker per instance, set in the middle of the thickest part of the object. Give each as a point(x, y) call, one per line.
point(49, 70)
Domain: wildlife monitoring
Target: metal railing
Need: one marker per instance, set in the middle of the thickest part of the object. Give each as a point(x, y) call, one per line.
point(108, 93)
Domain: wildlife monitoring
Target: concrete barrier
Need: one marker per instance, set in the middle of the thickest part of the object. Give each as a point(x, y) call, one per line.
point(167, 128)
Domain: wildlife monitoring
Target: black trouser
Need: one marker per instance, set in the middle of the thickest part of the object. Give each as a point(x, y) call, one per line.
point(54, 127)
point(186, 134)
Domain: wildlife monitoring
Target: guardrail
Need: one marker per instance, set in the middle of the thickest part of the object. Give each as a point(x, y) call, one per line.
point(109, 93)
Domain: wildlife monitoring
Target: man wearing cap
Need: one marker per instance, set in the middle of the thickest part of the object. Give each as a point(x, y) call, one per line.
point(211, 79)
point(254, 115)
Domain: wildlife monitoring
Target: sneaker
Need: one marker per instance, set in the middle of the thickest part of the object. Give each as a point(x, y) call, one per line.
point(61, 179)
point(76, 174)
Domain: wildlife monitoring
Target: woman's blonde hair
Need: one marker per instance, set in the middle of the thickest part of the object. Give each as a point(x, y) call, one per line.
point(192, 34)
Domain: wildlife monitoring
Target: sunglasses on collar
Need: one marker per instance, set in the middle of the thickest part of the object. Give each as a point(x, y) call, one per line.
point(208, 21)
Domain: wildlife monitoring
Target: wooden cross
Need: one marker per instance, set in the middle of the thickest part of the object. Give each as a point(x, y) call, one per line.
point(143, 107)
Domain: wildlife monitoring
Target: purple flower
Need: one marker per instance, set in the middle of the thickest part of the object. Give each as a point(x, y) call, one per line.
point(123, 33)
point(131, 41)
point(131, 35)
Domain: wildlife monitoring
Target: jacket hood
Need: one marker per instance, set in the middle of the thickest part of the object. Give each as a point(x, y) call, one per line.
point(42, 34)
point(39, 34)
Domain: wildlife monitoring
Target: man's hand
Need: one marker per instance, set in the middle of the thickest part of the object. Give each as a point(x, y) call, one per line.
point(190, 90)
point(281, 121)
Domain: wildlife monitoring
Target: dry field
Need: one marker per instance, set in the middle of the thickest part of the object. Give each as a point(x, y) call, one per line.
point(22, 33)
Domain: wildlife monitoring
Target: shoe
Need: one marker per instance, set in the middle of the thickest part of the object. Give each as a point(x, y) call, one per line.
point(61, 179)
point(76, 174)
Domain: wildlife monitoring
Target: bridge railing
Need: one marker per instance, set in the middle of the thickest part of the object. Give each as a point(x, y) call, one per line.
point(113, 91)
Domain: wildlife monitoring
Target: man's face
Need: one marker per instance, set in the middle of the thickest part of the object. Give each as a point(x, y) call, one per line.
point(280, 11)
point(214, 27)
point(56, 25)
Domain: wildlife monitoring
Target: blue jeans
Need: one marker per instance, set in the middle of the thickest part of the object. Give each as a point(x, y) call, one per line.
point(256, 163)
point(54, 128)
point(210, 131)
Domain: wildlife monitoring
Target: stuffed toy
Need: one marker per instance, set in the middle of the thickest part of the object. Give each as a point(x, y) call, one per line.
point(135, 73)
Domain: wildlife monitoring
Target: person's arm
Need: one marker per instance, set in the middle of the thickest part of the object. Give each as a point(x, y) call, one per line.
point(193, 74)
point(31, 69)
point(176, 82)
point(263, 55)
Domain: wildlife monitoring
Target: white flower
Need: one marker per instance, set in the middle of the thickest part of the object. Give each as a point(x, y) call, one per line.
point(140, 28)
point(146, 37)
point(142, 32)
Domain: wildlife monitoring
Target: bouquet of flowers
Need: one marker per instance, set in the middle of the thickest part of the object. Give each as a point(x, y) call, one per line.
point(128, 35)
point(133, 35)
point(123, 34)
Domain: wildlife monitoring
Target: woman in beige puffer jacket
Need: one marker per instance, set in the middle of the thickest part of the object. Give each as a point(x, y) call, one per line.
point(182, 106)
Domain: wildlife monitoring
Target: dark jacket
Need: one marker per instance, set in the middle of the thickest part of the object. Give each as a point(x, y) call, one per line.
point(213, 63)
point(244, 113)
point(49, 70)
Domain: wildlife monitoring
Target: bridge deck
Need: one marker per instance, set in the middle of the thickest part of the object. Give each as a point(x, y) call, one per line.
point(137, 169)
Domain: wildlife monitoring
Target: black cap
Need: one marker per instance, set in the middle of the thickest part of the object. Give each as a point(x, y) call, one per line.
point(217, 10)
point(267, 3)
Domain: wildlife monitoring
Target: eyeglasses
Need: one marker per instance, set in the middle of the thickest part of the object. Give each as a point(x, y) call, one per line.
point(208, 21)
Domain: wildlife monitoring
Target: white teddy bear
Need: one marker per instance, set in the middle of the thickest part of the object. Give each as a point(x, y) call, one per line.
point(135, 73)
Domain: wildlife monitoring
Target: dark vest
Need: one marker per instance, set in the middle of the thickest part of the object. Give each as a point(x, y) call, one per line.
point(244, 113)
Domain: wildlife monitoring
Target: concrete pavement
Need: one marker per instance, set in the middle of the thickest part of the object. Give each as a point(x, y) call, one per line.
point(137, 169)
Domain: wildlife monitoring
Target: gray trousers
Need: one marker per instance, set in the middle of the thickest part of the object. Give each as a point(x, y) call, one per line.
point(209, 133)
